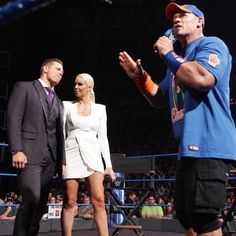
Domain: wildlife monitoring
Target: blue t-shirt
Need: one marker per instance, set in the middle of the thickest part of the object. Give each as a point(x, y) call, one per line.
point(202, 121)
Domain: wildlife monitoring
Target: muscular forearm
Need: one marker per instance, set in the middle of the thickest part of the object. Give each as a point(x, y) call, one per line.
point(190, 73)
point(151, 91)
point(195, 76)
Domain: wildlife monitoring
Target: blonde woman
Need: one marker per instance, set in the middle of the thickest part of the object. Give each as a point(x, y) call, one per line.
point(87, 150)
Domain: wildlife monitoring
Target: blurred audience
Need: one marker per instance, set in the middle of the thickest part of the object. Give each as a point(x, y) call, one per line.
point(8, 212)
point(152, 210)
point(132, 199)
point(85, 211)
point(169, 212)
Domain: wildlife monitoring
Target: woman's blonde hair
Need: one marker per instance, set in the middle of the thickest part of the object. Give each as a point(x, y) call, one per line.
point(90, 82)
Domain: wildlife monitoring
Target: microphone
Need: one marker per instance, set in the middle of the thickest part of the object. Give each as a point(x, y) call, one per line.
point(118, 183)
point(171, 34)
point(107, 178)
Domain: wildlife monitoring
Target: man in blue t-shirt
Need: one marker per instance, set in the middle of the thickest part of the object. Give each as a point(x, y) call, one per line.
point(196, 88)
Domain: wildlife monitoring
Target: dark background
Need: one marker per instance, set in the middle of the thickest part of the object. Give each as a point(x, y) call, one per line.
point(87, 35)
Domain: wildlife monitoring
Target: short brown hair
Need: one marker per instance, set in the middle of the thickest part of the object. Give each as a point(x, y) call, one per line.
point(49, 61)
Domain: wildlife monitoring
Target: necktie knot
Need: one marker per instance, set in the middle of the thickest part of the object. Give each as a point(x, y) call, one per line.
point(50, 93)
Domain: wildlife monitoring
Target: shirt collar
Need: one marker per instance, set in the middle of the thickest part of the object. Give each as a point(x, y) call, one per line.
point(44, 84)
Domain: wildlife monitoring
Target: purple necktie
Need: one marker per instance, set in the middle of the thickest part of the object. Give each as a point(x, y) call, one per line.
point(50, 94)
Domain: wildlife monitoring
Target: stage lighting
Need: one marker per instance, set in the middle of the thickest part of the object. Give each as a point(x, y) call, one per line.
point(107, 1)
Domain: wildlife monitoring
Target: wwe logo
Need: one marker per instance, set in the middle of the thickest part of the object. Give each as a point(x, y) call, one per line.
point(117, 183)
point(171, 35)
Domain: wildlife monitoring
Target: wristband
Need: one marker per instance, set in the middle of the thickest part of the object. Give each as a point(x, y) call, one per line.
point(173, 61)
point(145, 83)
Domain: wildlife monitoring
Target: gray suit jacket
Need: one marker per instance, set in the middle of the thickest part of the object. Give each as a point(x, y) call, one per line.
point(27, 116)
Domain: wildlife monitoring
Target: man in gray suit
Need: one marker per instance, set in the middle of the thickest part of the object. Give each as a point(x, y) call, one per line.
point(35, 137)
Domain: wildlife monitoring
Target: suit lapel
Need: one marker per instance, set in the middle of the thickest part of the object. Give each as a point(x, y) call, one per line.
point(61, 110)
point(43, 98)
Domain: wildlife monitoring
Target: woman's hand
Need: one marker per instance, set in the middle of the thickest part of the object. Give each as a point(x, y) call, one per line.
point(109, 171)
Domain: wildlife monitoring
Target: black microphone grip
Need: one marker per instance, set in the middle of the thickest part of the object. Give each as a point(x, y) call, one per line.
point(170, 33)
point(107, 178)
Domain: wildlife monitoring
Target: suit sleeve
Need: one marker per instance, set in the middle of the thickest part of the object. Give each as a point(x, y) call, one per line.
point(15, 114)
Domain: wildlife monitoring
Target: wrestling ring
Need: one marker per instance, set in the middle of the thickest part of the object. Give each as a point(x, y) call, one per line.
point(121, 221)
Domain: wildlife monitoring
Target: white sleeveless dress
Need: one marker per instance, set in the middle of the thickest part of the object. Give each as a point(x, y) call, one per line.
point(86, 141)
